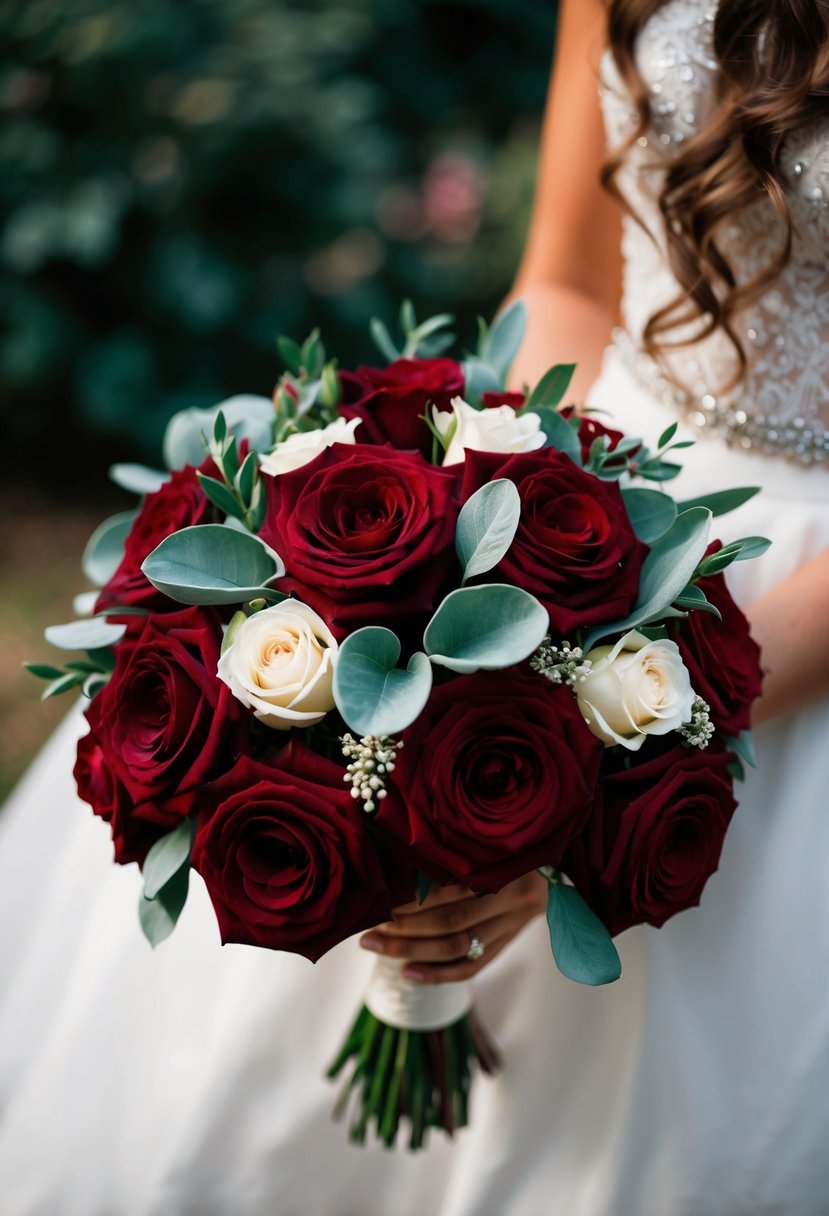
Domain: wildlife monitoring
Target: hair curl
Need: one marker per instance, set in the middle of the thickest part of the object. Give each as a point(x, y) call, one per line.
point(772, 80)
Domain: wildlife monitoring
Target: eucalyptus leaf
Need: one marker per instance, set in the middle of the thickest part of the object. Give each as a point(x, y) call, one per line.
point(158, 916)
point(248, 416)
point(105, 547)
point(89, 634)
point(213, 564)
point(374, 695)
point(479, 378)
point(650, 512)
point(551, 387)
point(383, 340)
point(666, 571)
point(290, 353)
point(167, 856)
point(722, 501)
point(504, 339)
point(43, 671)
point(743, 747)
point(582, 947)
point(487, 627)
point(93, 684)
point(486, 526)
point(559, 434)
point(221, 496)
point(694, 599)
point(84, 603)
point(66, 682)
point(667, 435)
point(137, 478)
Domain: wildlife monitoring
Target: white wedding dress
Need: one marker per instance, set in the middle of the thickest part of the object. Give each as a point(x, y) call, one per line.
point(188, 1081)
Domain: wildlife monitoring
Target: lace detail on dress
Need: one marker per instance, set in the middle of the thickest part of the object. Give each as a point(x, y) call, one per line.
point(783, 405)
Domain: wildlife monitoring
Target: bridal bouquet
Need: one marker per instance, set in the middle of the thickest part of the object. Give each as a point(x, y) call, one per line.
point(398, 626)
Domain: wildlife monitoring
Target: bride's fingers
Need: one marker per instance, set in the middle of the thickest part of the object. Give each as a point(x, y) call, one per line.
point(452, 947)
point(450, 917)
point(450, 973)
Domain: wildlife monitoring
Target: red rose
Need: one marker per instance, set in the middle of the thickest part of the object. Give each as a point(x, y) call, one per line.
point(391, 401)
point(165, 723)
point(491, 401)
point(722, 658)
point(180, 503)
point(656, 837)
point(287, 858)
point(590, 429)
point(366, 534)
point(131, 835)
point(496, 775)
point(574, 550)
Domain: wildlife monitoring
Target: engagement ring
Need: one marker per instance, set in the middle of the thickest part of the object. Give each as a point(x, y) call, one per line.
point(476, 948)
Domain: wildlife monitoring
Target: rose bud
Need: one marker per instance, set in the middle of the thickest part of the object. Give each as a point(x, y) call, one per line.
point(497, 429)
point(636, 688)
point(280, 663)
point(301, 448)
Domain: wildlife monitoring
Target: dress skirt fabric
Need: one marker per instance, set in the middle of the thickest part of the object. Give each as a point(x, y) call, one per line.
point(188, 1081)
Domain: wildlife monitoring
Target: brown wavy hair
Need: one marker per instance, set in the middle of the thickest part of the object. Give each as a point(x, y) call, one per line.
point(772, 80)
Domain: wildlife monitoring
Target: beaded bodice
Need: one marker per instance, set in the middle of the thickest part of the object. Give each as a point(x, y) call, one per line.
point(783, 406)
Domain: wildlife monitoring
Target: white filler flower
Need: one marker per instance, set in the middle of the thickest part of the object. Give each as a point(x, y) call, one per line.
point(302, 447)
point(635, 688)
point(281, 664)
point(499, 429)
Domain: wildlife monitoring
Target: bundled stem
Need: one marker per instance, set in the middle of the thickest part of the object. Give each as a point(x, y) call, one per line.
point(423, 1077)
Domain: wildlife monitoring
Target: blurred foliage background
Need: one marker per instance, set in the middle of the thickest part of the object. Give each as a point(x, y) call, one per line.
point(182, 180)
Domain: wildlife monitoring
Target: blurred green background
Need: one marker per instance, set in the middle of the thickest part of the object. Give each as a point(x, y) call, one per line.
point(182, 180)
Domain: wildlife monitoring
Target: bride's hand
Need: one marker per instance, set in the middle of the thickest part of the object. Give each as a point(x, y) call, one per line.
point(436, 936)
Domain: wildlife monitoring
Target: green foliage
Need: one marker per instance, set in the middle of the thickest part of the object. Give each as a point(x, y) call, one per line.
point(582, 947)
point(213, 564)
point(487, 523)
point(665, 572)
point(487, 627)
point(651, 513)
point(105, 547)
point(374, 695)
point(167, 856)
point(180, 186)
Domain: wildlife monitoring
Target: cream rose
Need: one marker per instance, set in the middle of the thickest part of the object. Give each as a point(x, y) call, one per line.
point(280, 663)
point(499, 429)
point(635, 688)
point(302, 447)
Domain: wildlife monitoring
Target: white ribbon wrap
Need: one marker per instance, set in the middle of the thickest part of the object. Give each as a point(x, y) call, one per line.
point(409, 1005)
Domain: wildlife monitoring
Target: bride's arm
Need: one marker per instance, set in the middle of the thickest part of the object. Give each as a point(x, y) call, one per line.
point(791, 624)
point(570, 274)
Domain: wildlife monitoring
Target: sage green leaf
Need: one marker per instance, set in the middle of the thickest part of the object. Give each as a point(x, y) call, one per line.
point(551, 387)
point(737, 551)
point(582, 947)
point(650, 512)
point(290, 353)
point(374, 695)
point(213, 564)
point(694, 599)
point(91, 634)
point(667, 435)
point(486, 627)
point(105, 547)
point(248, 416)
point(560, 435)
point(167, 856)
point(221, 496)
point(479, 378)
point(137, 478)
point(383, 340)
point(666, 571)
point(66, 682)
point(44, 672)
point(743, 747)
point(721, 501)
point(504, 339)
point(246, 476)
point(158, 916)
point(84, 603)
point(486, 526)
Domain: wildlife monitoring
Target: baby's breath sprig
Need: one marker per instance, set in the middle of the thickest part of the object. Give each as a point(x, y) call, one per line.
point(564, 664)
point(699, 731)
point(372, 760)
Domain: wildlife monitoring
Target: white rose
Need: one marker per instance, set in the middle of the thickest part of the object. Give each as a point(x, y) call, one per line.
point(499, 429)
point(281, 664)
point(302, 447)
point(635, 688)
